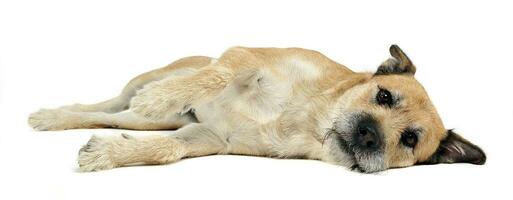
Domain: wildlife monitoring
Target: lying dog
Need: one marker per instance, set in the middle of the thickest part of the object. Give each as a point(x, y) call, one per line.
point(284, 103)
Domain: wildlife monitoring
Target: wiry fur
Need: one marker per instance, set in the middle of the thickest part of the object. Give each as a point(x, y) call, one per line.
point(253, 101)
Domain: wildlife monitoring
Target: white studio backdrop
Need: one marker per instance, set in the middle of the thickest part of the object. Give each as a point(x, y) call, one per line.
point(54, 53)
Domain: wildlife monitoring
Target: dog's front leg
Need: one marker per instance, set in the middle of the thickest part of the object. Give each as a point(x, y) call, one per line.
point(195, 140)
point(174, 95)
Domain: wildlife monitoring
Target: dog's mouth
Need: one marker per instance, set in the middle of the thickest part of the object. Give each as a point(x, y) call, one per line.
point(364, 162)
point(345, 147)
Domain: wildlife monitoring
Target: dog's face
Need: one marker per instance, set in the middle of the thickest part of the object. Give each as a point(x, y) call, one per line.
point(389, 121)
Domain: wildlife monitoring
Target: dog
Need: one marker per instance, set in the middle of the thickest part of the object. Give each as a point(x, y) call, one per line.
point(273, 102)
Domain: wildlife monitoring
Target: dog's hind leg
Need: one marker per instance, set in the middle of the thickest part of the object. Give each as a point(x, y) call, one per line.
point(115, 151)
point(60, 119)
point(182, 67)
point(173, 95)
point(116, 104)
point(108, 114)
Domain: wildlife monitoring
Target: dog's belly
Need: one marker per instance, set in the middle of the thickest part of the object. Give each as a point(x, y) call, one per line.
point(252, 101)
point(260, 122)
point(257, 109)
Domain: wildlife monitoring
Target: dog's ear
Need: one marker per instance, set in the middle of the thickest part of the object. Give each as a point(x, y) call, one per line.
point(456, 149)
point(398, 64)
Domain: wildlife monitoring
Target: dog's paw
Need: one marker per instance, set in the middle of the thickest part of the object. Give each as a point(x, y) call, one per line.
point(154, 102)
point(51, 120)
point(96, 155)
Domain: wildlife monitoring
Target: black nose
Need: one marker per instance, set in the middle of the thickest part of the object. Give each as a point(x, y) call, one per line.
point(366, 136)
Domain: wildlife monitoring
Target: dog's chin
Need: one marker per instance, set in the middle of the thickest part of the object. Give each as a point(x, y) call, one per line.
point(370, 163)
point(364, 162)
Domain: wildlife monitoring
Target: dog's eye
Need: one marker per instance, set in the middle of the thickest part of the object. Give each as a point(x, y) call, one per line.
point(384, 97)
point(409, 139)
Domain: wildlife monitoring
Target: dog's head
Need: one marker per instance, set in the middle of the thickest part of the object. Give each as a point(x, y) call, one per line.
point(389, 122)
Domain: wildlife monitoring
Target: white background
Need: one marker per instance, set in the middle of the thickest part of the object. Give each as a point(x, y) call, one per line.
point(54, 53)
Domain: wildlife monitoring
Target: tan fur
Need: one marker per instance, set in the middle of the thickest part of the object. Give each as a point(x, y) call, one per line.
point(252, 101)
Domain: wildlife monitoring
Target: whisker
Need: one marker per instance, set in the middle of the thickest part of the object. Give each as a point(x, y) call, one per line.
point(326, 136)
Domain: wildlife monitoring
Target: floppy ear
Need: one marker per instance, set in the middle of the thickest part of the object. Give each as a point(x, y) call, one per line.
point(398, 64)
point(455, 149)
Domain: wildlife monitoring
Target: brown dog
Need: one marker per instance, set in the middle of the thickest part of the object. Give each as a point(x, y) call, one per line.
point(284, 103)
